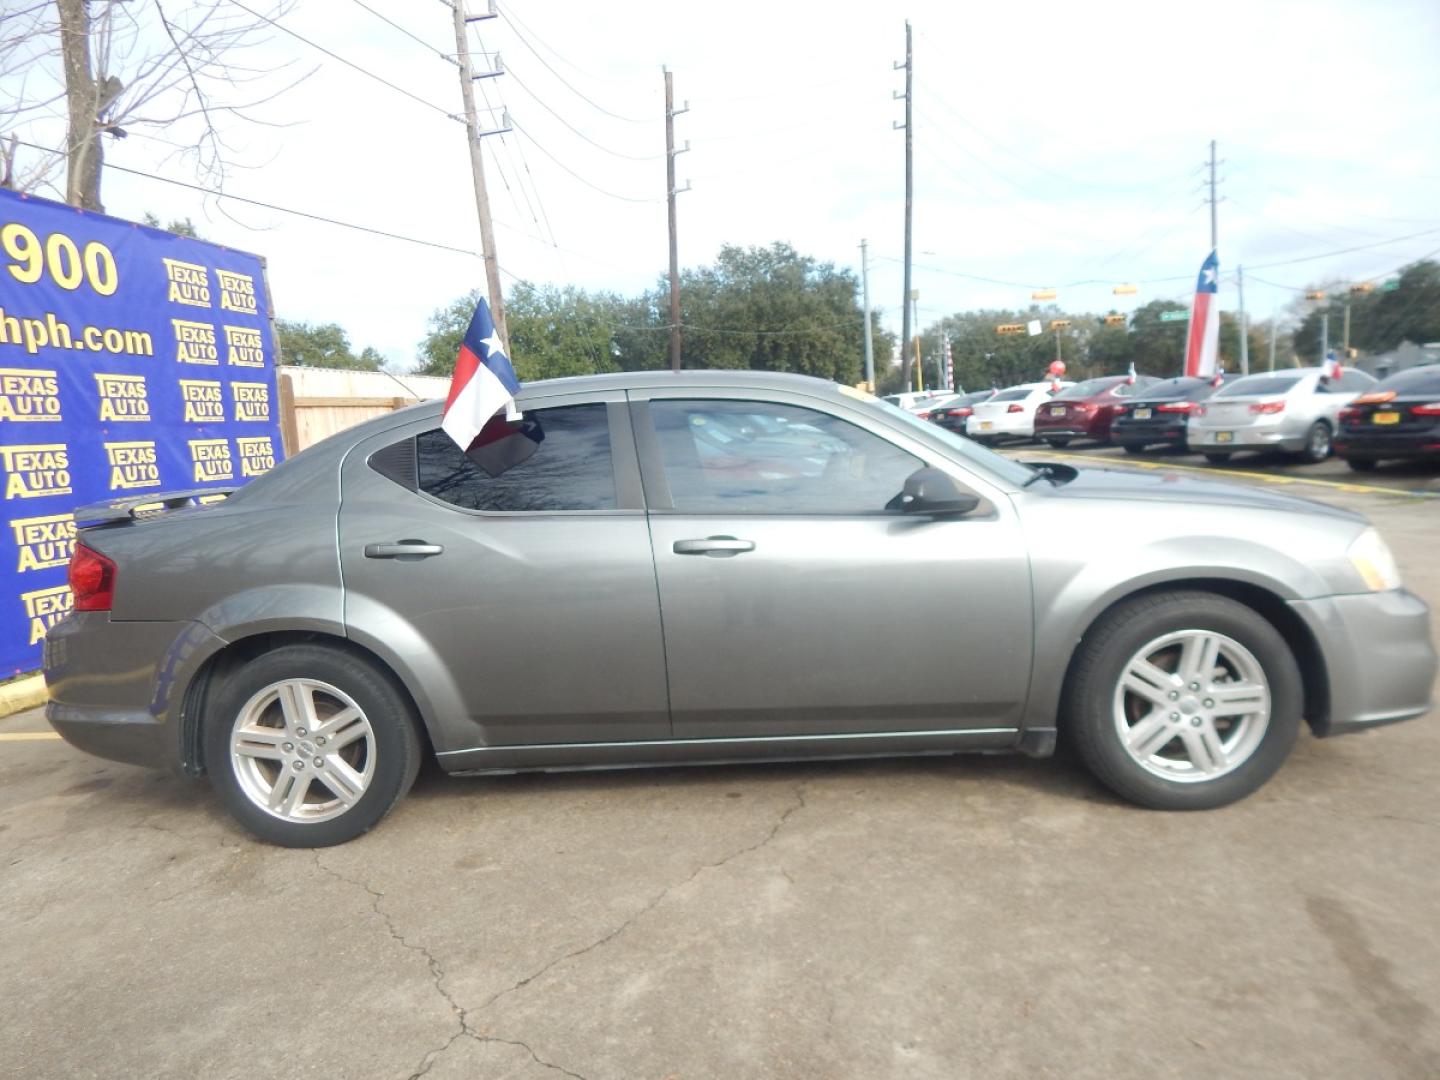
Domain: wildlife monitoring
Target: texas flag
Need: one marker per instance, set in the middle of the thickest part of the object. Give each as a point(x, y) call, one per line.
point(484, 382)
point(1202, 349)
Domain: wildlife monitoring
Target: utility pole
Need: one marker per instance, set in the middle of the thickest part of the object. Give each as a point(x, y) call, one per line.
point(919, 368)
point(1324, 336)
point(865, 296)
point(477, 163)
point(670, 192)
point(1214, 218)
point(1244, 323)
point(1274, 318)
point(909, 127)
point(1347, 327)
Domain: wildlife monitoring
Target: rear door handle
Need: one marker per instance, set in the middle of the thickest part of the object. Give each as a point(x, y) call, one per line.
point(714, 546)
point(405, 549)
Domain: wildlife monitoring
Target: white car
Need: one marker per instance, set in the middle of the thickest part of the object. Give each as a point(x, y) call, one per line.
point(1010, 414)
point(1295, 410)
point(916, 399)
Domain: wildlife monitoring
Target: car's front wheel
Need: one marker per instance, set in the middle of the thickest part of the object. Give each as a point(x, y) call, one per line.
point(310, 746)
point(1216, 459)
point(1133, 448)
point(1057, 443)
point(1183, 700)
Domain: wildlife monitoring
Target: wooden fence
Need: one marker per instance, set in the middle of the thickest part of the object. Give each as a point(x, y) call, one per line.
point(317, 402)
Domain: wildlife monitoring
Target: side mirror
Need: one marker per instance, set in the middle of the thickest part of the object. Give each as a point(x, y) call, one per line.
point(930, 491)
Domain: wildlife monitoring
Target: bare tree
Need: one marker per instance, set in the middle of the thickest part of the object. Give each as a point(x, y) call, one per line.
point(171, 70)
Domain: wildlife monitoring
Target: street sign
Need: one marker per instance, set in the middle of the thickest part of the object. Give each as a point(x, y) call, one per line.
point(1174, 316)
point(1393, 285)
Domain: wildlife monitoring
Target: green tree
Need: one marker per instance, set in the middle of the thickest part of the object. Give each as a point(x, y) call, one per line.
point(322, 345)
point(1379, 320)
point(179, 226)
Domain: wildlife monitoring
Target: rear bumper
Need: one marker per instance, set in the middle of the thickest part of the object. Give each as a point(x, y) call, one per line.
point(1376, 446)
point(1378, 654)
point(116, 688)
point(1241, 438)
point(1146, 434)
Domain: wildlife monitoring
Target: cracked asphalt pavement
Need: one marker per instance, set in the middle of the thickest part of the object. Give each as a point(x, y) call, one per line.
point(969, 917)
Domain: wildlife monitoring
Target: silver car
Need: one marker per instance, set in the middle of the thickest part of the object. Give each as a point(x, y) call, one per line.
point(715, 566)
point(1295, 410)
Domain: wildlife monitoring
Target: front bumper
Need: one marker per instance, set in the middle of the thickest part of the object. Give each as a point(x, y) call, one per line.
point(116, 688)
point(1380, 662)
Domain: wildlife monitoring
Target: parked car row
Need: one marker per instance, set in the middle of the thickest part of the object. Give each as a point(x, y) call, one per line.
point(1304, 412)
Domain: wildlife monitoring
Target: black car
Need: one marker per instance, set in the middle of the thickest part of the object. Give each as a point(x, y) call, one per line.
point(953, 413)
point(1157, 417)
point(1399, 419)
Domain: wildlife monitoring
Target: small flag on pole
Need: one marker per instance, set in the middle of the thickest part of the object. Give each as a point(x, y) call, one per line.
point(1130, 378)
point(1332, 365)
point(483, 384)
point(949, 365)
point(1202, 349)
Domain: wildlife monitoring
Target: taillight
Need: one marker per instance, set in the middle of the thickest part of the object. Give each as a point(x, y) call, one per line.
point(961, 413)
point(1268, 408)
point(1181, 406)
point(1014, 408)
point(1430, 408)
point(1375, 397)
point(92, 579)
point(1199, 410)
point(1348, 414)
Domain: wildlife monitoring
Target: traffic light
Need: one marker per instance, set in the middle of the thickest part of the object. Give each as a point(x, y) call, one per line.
point(1363, 287)
point(1114, 320)
point(1315, 294)
point(1125, 290)
point(1059, 324)
point(1011, 328)
point(1043, 294)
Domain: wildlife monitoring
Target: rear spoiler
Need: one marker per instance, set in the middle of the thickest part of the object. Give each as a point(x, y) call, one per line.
point(140, 507)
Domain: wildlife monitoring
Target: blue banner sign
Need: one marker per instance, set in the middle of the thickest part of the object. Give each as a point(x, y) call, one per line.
point(132, 361)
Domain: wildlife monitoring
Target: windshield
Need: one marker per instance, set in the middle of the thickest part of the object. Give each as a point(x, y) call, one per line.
point(1014, 395)
point(1424, 380)
point(1088, 388)
point(1010, 471)
point(1277, 383)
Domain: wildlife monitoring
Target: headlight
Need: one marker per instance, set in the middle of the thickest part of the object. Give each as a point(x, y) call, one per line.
point(1372, 560)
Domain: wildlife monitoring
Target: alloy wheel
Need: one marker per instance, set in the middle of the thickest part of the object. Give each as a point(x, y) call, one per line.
point(1192, 706)
point(302, 750)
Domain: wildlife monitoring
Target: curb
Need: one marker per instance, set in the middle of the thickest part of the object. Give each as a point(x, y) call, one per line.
point(23, 694)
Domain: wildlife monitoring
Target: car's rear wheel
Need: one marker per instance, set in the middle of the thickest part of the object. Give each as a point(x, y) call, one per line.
point(310, 746)
point(1362, 464)
point(1134, 448)
point(1216, 459)
point(1057, 443)
point(1183, 700)
point(1317, 443)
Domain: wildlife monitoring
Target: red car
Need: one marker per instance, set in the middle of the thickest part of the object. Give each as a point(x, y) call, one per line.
point(1086, 410)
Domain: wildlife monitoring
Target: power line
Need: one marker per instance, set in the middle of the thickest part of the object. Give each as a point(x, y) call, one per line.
point(572, 172)
point(539, 101)
point(515, 27)
point(348, 63)
point(515, 20)
point(447, 57)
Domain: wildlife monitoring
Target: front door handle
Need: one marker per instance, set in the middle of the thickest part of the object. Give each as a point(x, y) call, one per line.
point(405, 549)
point(719, 547)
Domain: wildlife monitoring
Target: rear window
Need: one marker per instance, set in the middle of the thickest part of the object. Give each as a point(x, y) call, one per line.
point(1088, 388)
point(1013, 395)
point(1174, 389)
point(1422, 380)
point(1261, 384)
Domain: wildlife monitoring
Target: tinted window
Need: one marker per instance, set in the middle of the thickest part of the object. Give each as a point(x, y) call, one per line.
point(1422, 380)
point(1088, 388)
point(1355, 381)
point(1018, 394)
point(764, 458)
point(1261, 384)
point(552, 459)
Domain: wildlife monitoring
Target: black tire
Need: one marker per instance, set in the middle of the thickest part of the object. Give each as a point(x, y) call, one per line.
point(1057, 443)
point(1216, 459)
point(1088, 718)
point(395, 742)
point(1317, 443)
point(1134, 448)
point(1360, 464)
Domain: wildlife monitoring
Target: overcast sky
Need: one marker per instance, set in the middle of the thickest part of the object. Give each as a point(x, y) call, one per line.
point(1054, 143)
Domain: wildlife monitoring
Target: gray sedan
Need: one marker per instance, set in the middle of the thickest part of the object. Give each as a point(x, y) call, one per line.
point(653, 569)
point(1296, 410)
